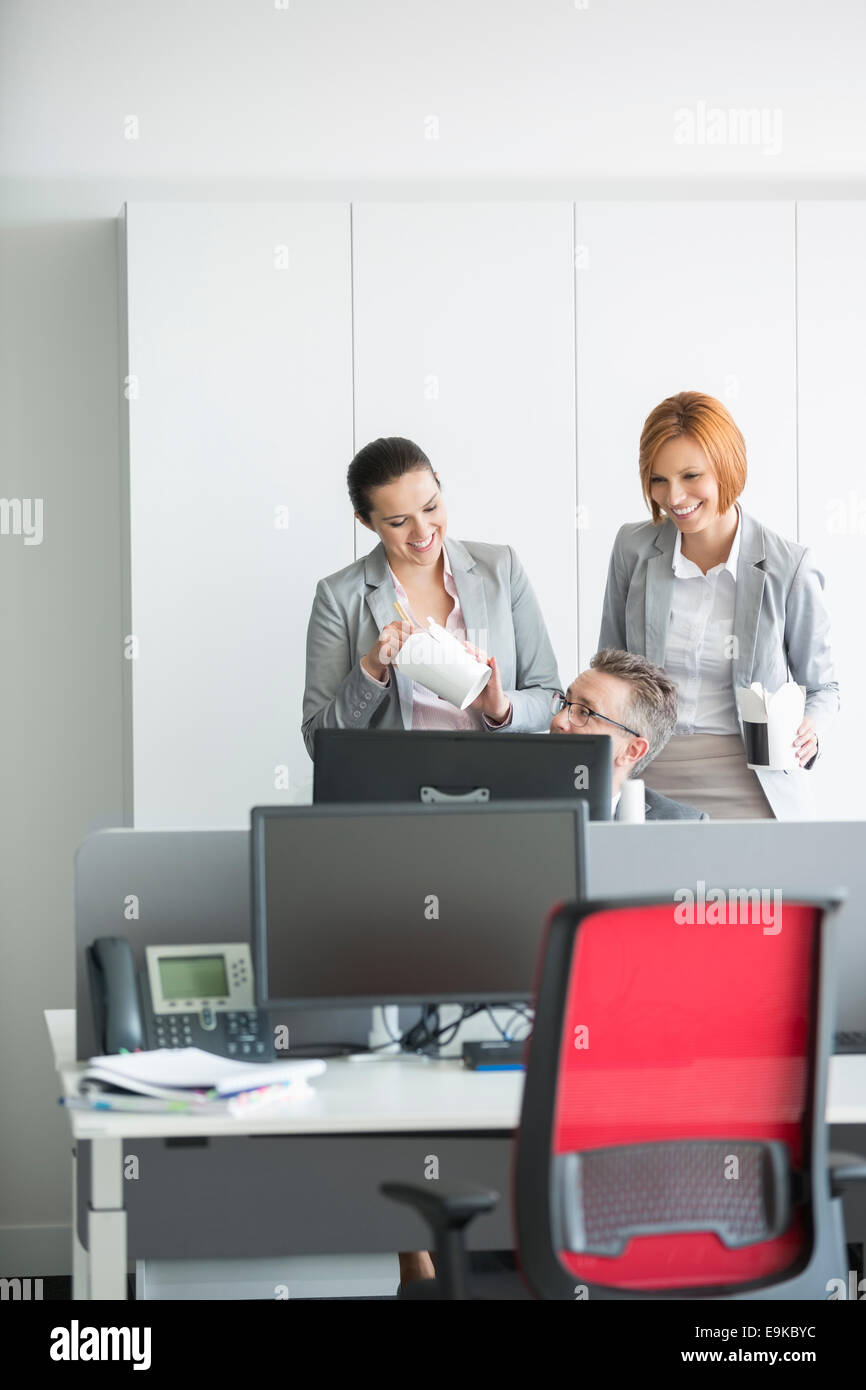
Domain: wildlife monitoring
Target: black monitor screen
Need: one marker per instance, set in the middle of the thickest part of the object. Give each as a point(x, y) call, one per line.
point(422, 905)
point(435, 767)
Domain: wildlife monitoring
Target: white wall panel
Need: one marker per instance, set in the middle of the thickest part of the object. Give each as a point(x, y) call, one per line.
point(674, 297)
point(464, 337)
point(464, 342)
point(831, 303)
point(240, 353)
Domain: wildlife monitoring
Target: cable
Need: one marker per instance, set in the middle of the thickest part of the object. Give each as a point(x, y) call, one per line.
point(427, 1034)
point(528, 1017)
point(468, 1011)
point(490, 1014)
point(517, 1011)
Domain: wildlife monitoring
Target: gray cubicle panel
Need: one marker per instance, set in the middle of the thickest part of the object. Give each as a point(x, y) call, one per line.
point(193, 885)
point(811, 857)
point(188, 886)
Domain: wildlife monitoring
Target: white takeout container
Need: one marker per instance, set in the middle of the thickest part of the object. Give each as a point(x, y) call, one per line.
point(436, 659)
point(770, 724)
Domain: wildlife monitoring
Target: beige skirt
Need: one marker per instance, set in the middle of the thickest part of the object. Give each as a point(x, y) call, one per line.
point(709, 771)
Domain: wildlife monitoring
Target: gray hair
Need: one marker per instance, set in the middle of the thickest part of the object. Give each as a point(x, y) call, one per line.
point(652, 703)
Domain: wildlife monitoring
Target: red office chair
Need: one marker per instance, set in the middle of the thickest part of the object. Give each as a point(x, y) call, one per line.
point(672, 1140)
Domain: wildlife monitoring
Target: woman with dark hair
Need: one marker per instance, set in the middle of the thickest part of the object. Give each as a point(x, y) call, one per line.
point(476, 591)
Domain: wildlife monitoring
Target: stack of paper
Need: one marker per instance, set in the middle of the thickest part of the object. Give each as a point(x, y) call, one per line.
point(189, 1073)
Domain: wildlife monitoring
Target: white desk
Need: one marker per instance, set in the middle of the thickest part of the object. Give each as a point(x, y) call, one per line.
point(351, 1099)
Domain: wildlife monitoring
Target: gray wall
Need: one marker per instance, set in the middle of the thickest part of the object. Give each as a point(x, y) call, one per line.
point(533, 98)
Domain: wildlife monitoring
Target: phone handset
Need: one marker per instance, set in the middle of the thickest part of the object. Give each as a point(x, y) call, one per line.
point(115, 994)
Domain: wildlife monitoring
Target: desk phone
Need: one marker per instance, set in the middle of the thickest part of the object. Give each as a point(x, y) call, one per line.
point(186, 996)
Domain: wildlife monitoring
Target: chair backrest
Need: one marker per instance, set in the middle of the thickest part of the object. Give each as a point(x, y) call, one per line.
point(680, 1051)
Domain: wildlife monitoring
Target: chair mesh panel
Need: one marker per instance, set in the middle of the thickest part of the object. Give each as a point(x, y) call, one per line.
point(609, 1195)
point(680, 1030)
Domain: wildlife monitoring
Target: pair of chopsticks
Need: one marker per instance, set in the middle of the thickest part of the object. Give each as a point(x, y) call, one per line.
point(406, 619)
point(403, 614)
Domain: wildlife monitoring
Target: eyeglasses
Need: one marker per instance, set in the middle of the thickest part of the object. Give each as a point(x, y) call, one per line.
point(580, 714)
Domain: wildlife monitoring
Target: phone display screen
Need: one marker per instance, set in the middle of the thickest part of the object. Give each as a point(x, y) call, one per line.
point(193, 977)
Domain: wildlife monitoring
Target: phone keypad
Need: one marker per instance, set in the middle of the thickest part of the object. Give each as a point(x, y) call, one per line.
point(174, 1030)
point(242, 1037)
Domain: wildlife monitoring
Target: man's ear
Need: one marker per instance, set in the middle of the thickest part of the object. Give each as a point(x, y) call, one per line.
point(641, 747)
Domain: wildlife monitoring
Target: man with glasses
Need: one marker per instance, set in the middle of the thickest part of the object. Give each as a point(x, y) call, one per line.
point(625, 696)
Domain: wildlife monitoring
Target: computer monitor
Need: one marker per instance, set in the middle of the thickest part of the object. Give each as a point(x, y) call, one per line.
point(407, 904)
point(439, 766)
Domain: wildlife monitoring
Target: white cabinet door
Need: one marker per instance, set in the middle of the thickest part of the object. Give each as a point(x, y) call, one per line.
point(464, 342)
point(675, 297)
point(240, 432)
point(831, 308)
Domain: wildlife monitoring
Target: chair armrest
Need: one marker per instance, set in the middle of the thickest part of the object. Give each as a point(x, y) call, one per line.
point(444, 1206)
point(448, 1209)
point(845, 1168)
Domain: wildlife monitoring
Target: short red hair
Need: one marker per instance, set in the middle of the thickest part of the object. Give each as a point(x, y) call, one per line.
point(708, 423)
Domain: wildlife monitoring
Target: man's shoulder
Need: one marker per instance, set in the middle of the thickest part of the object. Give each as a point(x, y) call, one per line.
point(661, 807)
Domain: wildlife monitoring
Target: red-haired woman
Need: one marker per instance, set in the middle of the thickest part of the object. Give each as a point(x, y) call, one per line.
point(720, 601)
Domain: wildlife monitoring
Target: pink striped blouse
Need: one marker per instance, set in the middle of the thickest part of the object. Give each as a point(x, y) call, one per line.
point(430, 711)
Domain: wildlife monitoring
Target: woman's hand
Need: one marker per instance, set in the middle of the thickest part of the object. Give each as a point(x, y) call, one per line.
point(806, 742)
point(492, 701)
point(386, 646)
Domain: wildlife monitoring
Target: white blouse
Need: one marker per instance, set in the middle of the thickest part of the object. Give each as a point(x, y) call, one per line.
point(699, 647)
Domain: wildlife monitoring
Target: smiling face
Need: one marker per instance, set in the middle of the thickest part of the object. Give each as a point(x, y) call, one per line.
point(409, 517)
point(683, 485)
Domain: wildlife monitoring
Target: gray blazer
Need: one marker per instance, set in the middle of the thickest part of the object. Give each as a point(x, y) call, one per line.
point(659, 807)
point(780, 622)
point(351, 607)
